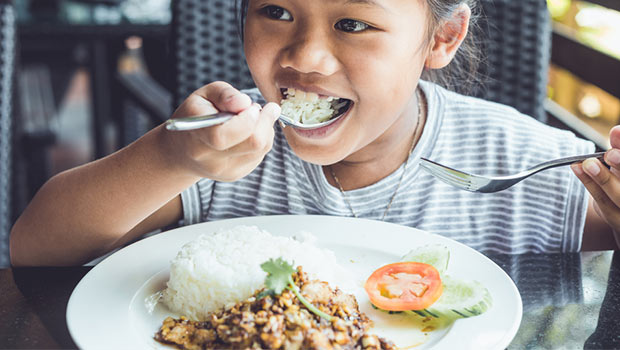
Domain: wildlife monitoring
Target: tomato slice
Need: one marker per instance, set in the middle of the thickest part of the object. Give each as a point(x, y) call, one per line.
point(404, 286)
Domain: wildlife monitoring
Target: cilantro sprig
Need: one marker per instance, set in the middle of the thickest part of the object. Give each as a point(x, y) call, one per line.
point(280, 277)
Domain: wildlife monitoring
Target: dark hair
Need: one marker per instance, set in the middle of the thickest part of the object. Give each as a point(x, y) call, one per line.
point(461, 75)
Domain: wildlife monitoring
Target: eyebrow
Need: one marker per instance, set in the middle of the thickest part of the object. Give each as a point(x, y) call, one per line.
point(365, 2)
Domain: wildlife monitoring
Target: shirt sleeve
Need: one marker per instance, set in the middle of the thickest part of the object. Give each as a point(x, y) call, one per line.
point(577, 206)
point(195, 201)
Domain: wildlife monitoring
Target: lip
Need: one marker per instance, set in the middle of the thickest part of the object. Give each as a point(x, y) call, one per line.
point(324, 131)
point(309, 88)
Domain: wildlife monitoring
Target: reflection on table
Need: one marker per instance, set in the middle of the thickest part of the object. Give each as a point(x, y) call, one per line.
point(562, 296)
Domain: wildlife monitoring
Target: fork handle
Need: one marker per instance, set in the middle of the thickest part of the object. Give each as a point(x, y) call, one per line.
point(569, 160)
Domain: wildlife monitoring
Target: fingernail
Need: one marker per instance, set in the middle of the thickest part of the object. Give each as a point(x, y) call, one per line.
point(576, 169)
point(274, 109)
point(613, 157)
point(591, 167)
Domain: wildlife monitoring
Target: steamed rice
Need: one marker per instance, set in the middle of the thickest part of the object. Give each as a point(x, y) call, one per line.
point(308, 108)
point(222, 268)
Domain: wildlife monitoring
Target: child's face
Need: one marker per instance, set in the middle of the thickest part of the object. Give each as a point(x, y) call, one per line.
point(369, 51)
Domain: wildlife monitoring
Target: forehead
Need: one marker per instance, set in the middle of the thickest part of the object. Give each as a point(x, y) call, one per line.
point(395, 6)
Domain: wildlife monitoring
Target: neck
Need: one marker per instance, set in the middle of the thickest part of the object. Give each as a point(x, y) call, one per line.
point(384, 155)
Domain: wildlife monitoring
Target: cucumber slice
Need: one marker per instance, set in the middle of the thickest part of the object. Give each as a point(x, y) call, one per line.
point(436, 255)
point(460, 299)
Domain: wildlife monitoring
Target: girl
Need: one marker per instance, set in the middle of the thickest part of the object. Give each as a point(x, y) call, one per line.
point(372, 54)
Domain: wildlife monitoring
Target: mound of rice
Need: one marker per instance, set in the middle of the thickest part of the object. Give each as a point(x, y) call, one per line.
point(309, 108)
point(222, 268)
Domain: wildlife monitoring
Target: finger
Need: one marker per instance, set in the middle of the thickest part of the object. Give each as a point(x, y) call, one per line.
point(612, 158)
point(262, 139)
point(600, 197)
point(600, 182)
point(614, 136)
point(194, 105)
point(225, 97)
point(234, 131)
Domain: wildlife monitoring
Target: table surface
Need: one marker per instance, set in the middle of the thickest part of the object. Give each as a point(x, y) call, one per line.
point(570, 301)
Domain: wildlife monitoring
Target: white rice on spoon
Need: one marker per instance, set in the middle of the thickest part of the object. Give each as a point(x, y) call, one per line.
point(308, 107)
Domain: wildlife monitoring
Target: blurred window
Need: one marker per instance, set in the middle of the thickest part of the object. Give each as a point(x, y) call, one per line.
point(598, 28)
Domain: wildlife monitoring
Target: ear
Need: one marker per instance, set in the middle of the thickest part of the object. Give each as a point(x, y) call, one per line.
point(448, 38)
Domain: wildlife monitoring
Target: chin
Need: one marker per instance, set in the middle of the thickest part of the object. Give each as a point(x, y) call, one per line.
point(320, 153)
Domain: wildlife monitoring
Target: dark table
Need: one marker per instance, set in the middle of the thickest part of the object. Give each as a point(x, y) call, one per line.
point(570, 301)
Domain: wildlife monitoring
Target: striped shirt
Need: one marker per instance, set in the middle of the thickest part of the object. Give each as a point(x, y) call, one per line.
point(545, 212)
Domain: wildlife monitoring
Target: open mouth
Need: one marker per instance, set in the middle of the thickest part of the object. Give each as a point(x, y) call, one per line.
point(310, 108)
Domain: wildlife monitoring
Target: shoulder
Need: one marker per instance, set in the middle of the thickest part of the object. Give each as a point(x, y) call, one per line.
point(470, 122)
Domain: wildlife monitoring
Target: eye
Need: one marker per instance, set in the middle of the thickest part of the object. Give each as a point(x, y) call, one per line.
point(277, 13)
point(351, 26)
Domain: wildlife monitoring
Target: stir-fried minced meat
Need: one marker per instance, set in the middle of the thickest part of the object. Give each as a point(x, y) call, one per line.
point(279, 322)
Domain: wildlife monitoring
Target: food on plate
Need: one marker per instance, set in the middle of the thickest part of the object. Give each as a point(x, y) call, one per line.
point(311, 108)
point(222, 268)
point(404, 286)
point(437, 255)
point(460, 298)
point(280, 277)
point(234, 288)
point(278, 317)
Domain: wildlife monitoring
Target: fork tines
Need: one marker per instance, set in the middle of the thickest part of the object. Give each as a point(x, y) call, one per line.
point(448, 175)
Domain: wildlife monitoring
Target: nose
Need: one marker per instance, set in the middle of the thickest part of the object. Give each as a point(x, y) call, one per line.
point(310, 51)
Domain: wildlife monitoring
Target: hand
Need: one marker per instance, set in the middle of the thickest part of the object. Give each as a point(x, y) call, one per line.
point(604, 184)
point(229, 151)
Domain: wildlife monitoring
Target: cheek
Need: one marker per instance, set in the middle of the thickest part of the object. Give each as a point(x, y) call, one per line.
point(260, 62)
point(389, 76)
point(252, 44)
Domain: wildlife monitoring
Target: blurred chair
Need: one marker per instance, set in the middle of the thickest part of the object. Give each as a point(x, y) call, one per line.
point(7, 57)
point(515, 40)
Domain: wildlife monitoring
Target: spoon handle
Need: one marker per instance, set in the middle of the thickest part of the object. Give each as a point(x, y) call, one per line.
point(207, 120)
point(197, 122)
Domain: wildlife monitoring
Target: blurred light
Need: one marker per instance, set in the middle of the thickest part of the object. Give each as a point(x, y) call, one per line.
point(590, 106)
point(133, 42)
point(597, 17)
point(558, 8)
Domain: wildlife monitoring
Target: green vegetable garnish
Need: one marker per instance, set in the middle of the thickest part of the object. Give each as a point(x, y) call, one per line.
point(280, 276)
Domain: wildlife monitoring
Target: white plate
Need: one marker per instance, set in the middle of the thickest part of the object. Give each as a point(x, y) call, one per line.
point(107, 309)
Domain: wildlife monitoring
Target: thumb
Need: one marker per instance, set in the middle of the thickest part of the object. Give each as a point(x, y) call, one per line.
point(271, 110)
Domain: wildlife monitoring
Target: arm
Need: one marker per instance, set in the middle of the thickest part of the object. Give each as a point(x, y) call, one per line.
point(88, 211)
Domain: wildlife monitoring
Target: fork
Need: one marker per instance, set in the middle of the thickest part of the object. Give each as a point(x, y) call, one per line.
point(478, 183)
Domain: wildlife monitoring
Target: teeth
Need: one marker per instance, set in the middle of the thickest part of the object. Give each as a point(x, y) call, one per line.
point(305, 96)
point(312, 97)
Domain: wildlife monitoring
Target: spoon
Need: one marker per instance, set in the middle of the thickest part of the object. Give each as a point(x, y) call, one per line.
point(205, 121)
